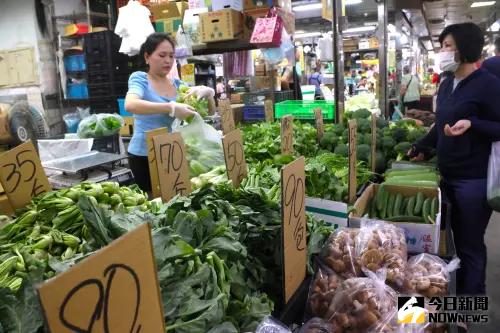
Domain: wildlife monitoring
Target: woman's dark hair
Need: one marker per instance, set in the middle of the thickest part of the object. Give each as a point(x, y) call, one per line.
point(152, 42)
point(469, 39)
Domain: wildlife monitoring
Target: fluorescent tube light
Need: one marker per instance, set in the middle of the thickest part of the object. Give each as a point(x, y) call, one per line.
point(307, 34)
point(482, 4)
point(360, 29)
point(306, 7)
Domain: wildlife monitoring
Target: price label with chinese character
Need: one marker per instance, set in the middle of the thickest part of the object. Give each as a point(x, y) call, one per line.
point(352, 161)
point(236, 166)
point(173, 169)
point(227, 119)
point(287, 135)
point(293, 213)
point(22, 175)
point(114, 290)
point(153, 169)
point(269, 110)
point(374, 143)
point(320, 127)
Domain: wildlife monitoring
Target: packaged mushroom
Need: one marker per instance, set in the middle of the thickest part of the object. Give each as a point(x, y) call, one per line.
point(322, 290)
point(428, 275)
point(364, 305)
point(338, 253)
point(381, 244)
point(317, 325)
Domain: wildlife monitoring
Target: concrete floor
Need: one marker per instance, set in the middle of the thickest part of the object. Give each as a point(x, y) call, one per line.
point(492, 277)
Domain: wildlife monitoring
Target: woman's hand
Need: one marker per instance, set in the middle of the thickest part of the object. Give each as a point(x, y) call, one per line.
point(201, 92)
point(459, 128)
point(182, 111)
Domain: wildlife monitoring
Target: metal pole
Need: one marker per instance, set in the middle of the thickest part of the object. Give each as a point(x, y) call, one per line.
point(399, 52)
point(382, 56)
point(338, 60)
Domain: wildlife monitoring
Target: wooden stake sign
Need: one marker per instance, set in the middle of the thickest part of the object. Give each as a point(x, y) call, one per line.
point(287, 135)
point(22, 175)
point(293, 231)
point(153, 169)
point(320, 127)
point(172, 165)
point(352, 161)
point(269, 110)
point(114, 290)
point(374, 143)
point(227, 118)
point(236, 166)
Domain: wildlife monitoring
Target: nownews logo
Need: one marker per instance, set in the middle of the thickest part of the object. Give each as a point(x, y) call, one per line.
point(450, 309)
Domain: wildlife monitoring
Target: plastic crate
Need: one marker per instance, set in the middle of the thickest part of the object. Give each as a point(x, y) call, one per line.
point(100, 77)
point(304, 109)
point(77, 91)
point(104, 105)
point(254, 113)
point(121, 108)
point(107, 144)
point(259, 97)
point(75, 63)
point(108, 89)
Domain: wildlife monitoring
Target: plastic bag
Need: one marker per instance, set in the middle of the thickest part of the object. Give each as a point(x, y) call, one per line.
point(275, 55)
point(184, 47)
point(204, 146)
point(98, 125)
point(271, 325)
point(364, 305)
point(338, 253)
point(322, 291)
point(71, 120)
point(428, 275)
point(493, 189)
point(381, 244)
point(317, 325)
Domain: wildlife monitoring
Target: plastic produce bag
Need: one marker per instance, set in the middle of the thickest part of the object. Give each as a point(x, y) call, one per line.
point(322, 291)
point(271, 325)
point(428, 275)
point(98, 125)
point(184, 47)
point(338, 253)
point(381, 244)
point(493, 189)
point(364, 305)
point(204, 146)
point(71, 120)
point(317, 325)
point(275, 55)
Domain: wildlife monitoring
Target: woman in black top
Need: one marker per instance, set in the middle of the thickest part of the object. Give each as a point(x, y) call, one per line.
point(467, 122)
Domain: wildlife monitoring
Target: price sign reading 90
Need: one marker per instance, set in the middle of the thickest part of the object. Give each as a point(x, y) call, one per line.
point(173, 170)
point(287, 135)
point(236, 165)
point(294, 242)
point(22, 175)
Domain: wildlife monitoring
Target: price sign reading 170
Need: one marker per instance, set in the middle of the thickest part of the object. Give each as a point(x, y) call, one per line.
point(293, 211)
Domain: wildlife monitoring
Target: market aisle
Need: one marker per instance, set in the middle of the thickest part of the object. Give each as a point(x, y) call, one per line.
point(492, 276)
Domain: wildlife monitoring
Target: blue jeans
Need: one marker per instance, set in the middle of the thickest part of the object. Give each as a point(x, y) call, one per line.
point(470, 214)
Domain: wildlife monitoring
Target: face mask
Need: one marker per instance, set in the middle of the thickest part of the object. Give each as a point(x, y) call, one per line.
point(447, 61)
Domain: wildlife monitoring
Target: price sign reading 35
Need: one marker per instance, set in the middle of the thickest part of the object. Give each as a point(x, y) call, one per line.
point(236, 165)
point(293, 210)
point(287, 135)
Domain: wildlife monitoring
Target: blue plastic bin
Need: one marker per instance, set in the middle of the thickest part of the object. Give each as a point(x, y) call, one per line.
point(254, 113)
point(77, 91)
point(75, 63)
point(121, 107)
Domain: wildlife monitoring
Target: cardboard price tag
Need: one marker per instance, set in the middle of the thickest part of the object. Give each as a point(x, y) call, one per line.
point(287, 135)
point(114, 290)
point(22, 175)
point(153, 169)
point(320, 127)
point(374, 143)
point(293, 236)
point(236, 166)
point(172, 165)
point(227, 119)
point(352, 160)
point(269, 110)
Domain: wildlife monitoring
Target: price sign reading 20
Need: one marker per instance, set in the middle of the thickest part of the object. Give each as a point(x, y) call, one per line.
point(294, 242)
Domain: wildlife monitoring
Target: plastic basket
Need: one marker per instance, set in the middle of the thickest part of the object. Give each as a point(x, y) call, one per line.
point(259, 97)
point(77, 91)
point(304, 109)
point(74, 63)
point(254, 113)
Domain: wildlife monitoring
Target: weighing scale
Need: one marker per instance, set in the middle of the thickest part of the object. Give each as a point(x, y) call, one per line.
point(92, 167)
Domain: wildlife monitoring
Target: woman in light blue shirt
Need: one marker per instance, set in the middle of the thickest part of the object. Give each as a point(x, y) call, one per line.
point(151, 98)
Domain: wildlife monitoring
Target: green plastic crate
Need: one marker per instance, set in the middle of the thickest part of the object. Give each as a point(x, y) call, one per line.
point(304, 109)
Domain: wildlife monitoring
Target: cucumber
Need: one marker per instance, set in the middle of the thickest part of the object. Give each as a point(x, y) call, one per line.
point(373, 209)
point(395, 173)
point(404, 207)
point(385, 201)
point(380, 197)
point(418, 204)
point(397, 204)
point(434, 208)
point(390, 205)
point(426, 210)
point(411, 182)
point(411, 206)
point(404, 218)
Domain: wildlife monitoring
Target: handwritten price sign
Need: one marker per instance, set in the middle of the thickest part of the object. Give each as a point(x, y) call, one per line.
point(153, 169)
point(236, 166)
point(22, 175)
point(287, 135)
point(293, 213)
point(114, 290)
point(352, 160)
point(173, 169)
point(269, 110)
point(320, 127)
point(227, 119)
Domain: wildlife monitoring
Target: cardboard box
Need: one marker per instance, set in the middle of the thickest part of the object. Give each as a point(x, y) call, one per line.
point(221, 25)
point(5, 136)
point(191, 23)
point(128, 127)
point(363, 44)
point(170, 26)
point(256, 4)
point(5, 206)
point(167, 10)
point(260, 69)
point(332, 212)
point(237, 112)
point(237, 98)
point(194, 4)
point(227, 4)
point(373, 42)
point(420, 237)
point(327, 10)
